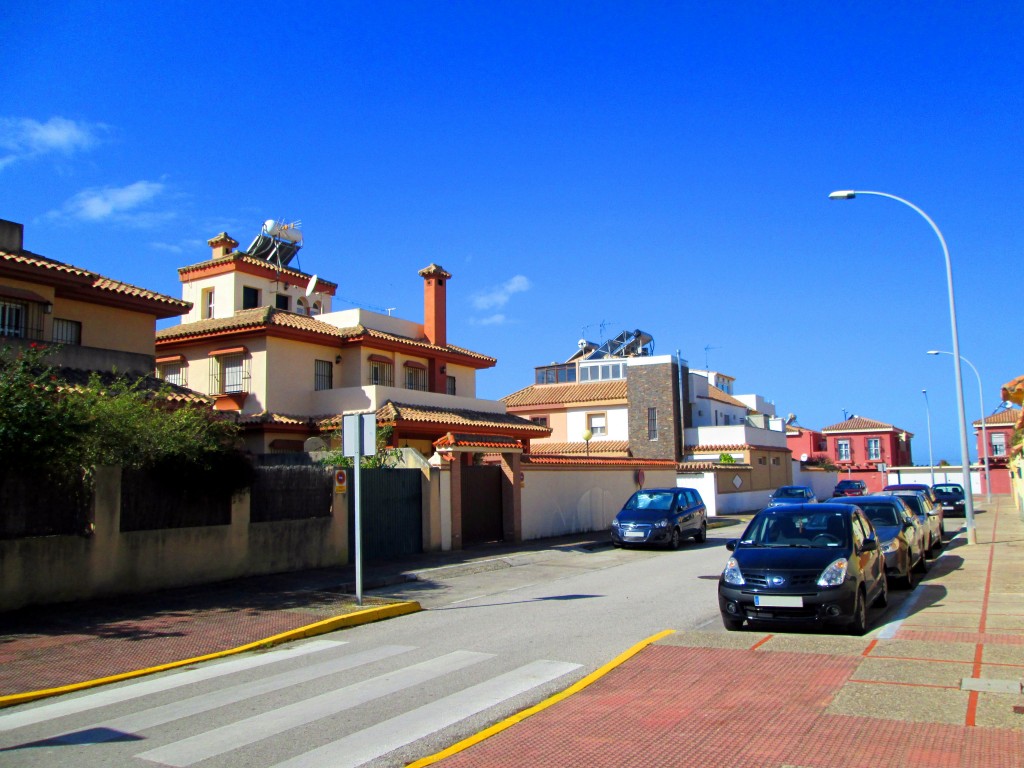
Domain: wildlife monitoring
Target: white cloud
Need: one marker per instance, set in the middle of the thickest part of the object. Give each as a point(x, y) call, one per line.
point(124, 205)
point(22, 137)
point(498, 319)
point(499, 296)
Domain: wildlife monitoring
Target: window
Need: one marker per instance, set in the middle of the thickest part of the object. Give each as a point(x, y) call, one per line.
point(775, 461)
point(207, 303)
point(67, 331)
point(316, 309)
point(173, 373)
point(12, 318)
point(323, 375)
point(449, 386)
point(283, 301)
point(540, 420)
point(415, 377)
point(874, 449)
point(652, 423)
point(382, 371)
point(760, 460)
point(998, 441)
point(843, 449)
point(250, 297)
point(597, 423)
point(229, 373)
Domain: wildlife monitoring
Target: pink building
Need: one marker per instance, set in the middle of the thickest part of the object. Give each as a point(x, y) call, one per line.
point(999, 431)
point(864, 448)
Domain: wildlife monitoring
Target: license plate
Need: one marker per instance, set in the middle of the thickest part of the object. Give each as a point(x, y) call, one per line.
point(778, 601)
point(634, 534)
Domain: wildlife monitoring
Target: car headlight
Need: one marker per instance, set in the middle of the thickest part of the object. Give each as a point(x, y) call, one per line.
point(731, 574)
point(615, 523)
point(662, 523)
point(835, 574)
point(890, 546)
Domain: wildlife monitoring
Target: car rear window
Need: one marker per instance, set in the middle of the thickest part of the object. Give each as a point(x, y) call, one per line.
point(880, 514)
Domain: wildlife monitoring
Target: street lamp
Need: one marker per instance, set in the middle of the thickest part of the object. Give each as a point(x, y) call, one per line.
point(984, 432)
point(849, 194)
point(928, 411)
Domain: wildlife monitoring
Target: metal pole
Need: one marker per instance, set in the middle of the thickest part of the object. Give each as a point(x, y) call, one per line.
point(984, 431)
point(972, 534)
point(928, 410)
point(356, 462)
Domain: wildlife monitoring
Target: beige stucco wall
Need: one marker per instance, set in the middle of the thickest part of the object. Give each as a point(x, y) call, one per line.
point(562, 500)
point(110, 327)
point(51, 569)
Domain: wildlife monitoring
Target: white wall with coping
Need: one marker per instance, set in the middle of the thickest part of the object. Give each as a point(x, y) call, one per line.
point(617, 421)
point(558, 501)
point(370, 398)
point(942, 475)
point(734, 434)
point(823, 483)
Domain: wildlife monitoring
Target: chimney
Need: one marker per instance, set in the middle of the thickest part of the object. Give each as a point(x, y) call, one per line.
point(222, 245)
point(434, 304)
point(12, 236)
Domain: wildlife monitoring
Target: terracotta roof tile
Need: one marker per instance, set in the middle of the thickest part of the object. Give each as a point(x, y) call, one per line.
point(714, 393)
point(597, 447)
point(459, 440)
point(392, 412)
point(1009, 416)
point(608, 461)
point(246, 258)
point(563, 394)
point(860, 423)
point(99, 283)
point(1013, 391)
point(277, 418)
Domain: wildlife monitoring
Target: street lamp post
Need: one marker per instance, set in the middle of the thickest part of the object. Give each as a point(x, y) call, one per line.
point(849, 194)
point(984, 432)
point(928, 412)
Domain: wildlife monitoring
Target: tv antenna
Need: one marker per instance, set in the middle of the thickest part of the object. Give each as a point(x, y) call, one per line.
point(708, 348)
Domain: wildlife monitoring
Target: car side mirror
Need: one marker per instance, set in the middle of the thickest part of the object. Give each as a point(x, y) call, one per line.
point(870, 545)
point(731, 545)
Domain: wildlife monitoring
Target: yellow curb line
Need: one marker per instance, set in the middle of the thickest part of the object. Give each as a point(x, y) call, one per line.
point(365, 616)
point(551, 701)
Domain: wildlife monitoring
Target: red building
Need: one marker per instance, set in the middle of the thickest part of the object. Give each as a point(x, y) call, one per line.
point(864, 449)
point(999, 432)
point(805, 442)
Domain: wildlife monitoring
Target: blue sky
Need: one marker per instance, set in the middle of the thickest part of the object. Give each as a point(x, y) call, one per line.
point(577, 167)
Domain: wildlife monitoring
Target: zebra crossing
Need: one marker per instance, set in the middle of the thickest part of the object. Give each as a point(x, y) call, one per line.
point(273, 709)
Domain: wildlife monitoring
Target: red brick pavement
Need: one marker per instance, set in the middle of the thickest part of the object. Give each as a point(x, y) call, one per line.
point(706, 707)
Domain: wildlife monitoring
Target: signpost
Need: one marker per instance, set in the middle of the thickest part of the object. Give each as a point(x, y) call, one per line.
point(359, 438)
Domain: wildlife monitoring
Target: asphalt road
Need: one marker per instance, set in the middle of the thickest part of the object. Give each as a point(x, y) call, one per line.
point(497, 636)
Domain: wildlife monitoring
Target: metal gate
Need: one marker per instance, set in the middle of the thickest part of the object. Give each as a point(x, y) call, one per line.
point(481, 505)
point(392, 521)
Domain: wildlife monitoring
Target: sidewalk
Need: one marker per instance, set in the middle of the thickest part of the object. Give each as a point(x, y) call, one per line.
point(938, 685)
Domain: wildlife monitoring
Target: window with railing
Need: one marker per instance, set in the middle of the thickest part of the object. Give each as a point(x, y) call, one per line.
point(229, 373)
point(652, 423)
point(323, 375)
point(382, 372)
point(13, 318)
point(415, 376)
point(173, 373)
point(449, 387)
point(67, 331)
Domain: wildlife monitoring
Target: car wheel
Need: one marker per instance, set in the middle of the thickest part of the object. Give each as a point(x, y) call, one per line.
point(859, 622)
point(883, 597)
point(732, 625)
point(673, 543)
point(702, 534)
point(922, 564)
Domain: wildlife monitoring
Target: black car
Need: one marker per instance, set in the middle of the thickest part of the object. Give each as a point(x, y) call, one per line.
point(919, 487)
point(817, 564)
point(950, 496)
point(661, 516)
point(896, 526)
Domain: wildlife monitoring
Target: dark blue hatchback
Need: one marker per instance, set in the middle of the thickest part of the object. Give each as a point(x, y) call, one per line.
point(663, 516)
point(804, 564)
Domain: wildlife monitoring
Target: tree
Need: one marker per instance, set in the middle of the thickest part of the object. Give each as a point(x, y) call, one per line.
point(726, 458)
point(385, 457)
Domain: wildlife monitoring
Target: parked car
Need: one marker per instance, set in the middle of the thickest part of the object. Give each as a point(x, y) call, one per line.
point(950, 497)
point(792, 494)
point(850, 488)
point(799, 564)
point(919, 487)
point(899, 535)
point(661, 516)
point(928, 514)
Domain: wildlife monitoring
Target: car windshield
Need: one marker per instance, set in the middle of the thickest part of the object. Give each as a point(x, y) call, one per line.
point(797, 529)
point(914, 501)
point(789, 493)
point(881, 514)
point(650, 500)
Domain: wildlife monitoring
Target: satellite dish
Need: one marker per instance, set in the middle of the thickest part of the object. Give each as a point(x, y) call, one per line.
point(311, 285)
point(803, 457)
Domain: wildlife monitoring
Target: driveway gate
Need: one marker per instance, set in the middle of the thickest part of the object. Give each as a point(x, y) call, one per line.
point(481, 505)
point(392, 521)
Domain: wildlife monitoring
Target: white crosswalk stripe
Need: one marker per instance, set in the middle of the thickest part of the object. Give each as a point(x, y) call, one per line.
point(252, 729)
point(194, 705)
point(103, 697)
point(389, 735)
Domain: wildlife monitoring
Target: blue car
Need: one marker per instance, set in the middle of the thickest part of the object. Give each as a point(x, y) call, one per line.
point(792, 494)
point(662, 516)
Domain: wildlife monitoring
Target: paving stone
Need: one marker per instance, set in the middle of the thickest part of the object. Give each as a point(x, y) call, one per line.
point(990, 685)
point(908, 671)
point(912, 649)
